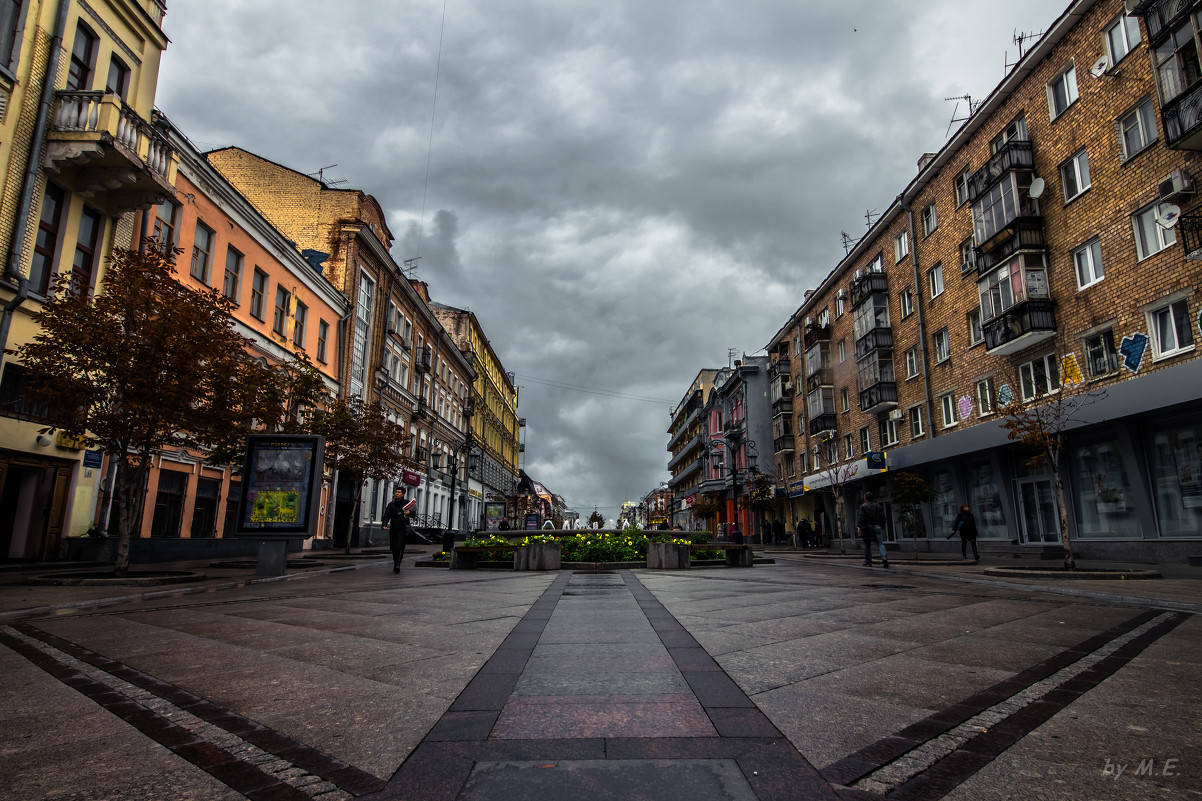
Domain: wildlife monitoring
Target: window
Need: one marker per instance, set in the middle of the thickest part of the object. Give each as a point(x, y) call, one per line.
point(947, 404)
point(165, 220)
point(1088, 261)
point(839, 305)
point(984, 393)
point(848, 446)
point(1074, 174)
point(1137, 129)
point(975, 336)
point(282, 300)
point(10, 17)
point(233, 274)
point(943, 346)
point(361, 344)
point(968, 257)
point(845, 399)
point(1039, 377)
point(1122, 37)
point(842, 351)
point(916, 429)
point(1176, 60)
point(1021, 279)
point(1062, 92)
point(905, 300)
point(935, 275)
point(1016, 130)
point(83, 59)
point(258, 291)
point(960, 185)
point(901, 246)
point(887, 429)
point(202, 243)
point(1100, 356)
point(323, 337)
point(45, 246)
point(91, 228)
point(912, 363)
point(298, 329)
point(118, 79)
point(1150, 236)
point(877, 265)
point(865, 443)
point(1170, 328)
point(930, 220)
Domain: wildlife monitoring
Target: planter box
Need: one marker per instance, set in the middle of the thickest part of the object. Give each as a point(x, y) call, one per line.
point(537, 556)
point(667, 556)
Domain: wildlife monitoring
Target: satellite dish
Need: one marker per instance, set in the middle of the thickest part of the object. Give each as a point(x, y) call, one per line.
point(1168, 214)
point(1099, 67)
point(1037, 187)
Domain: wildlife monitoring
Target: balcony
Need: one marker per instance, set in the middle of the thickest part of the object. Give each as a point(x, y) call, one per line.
point(823, 422)
point(1020, 234)
point(780, 368)
point(879, 397)
point(782, 406)
point(814, 334)
point(100, 148)
point(1190, 226)
point(783, 444)
point(422, 411)
point(1021, 326)
point(822, 378)
point(867, 284)
point(1162, 15)
point(1182, 117)
point(875, 338)
point(1014, 155)
point(684, 453)
point(423, 359)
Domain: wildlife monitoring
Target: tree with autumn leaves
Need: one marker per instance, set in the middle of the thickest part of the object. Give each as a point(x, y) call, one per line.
point(149, 364)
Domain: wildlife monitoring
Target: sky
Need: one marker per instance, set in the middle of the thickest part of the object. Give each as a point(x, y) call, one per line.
point(624, 191)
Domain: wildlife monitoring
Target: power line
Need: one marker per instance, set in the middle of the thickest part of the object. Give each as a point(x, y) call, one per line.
point(595, 390)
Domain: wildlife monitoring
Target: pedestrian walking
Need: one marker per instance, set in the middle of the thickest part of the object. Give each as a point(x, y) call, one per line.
point(805, 532)
point(965, 525)
point(396, 517)
point(870, 521)
point(778, 531)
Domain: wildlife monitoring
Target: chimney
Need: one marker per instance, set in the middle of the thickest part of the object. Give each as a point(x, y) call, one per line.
point(924, 160)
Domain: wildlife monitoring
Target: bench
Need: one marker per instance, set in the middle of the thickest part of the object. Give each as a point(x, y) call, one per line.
point(466, 557)
point(736, 555)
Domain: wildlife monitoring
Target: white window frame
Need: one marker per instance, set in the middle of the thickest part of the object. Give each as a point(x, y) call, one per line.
point(839, 307)
point(1028, 377)
point(930, 219)
point(865, 440)
point(1067, 77)
point(942, 342)
point(1087, 263)
point(984, 394)
point(901, 246)
point(1126, 27)
point(960, 187)
point(912, 370)
point(1141, 119)
point(1105, 344)
point(848, 446)
point(1074, 174)
point(916, 427)
point(888, 432)
point(947, 406)
point(935, 277)
point(1147, 220)
point(905, 300)
point(842, 350)
point(975, 334)
point(845, 399)
point(1176, 311)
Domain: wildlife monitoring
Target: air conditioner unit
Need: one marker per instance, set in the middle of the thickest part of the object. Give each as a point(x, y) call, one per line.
point(896, 414)
point(1176, 184)
point(1129, 6)
point(859, 274)
point(809, 321)
point(842, 293)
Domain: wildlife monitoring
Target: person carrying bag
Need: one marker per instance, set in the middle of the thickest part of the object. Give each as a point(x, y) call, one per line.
point(965, 525)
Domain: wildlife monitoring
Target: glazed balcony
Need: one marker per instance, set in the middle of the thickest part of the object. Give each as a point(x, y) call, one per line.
point(1018, 235)
point(100, 148)
point(1021, 326)
point(1017, 154)
point(814, 334)
point(866, 285)
point(822, 378)
point(1182, 117)
point(823, 422)
point(780, 368)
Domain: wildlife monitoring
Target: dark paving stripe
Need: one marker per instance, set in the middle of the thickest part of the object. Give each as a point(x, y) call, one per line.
point(440, 768)
point(347, 777)
point(873, 757)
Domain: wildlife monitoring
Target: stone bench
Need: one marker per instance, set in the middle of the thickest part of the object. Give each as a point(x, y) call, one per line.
point(670, 556)
point(466, 557)
point(736, 555)
point(539, 556)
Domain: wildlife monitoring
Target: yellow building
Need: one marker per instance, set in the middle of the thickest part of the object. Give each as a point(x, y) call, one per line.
point(78, 154)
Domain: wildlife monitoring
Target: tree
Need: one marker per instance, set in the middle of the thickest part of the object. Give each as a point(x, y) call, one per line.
point(908, 493)
point(361, 443)
point(147, 363)
point(596, 519)
point(835, 477)
point(706, 505)
point(1053, 405)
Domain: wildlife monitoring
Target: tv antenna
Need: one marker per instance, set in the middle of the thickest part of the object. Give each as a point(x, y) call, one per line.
point(410, 270)
point(972, 109)
point(849, 242)
point(1019, 38)
point(868, 215)
point(320, 175)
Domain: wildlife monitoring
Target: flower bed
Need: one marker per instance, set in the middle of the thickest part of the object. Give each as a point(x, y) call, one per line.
point(629, 545)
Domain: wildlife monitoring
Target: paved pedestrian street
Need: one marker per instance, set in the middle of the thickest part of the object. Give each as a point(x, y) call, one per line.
point(798, 680)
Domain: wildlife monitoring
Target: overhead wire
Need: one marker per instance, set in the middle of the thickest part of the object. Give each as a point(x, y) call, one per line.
point(594, 390)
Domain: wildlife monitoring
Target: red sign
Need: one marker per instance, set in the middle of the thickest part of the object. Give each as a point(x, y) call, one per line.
point(688, 501)
point(411, 478)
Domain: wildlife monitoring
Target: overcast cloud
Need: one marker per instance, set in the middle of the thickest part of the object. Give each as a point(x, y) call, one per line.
point(621, 190)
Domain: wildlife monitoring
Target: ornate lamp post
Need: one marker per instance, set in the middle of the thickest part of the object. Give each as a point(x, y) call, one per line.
point(718, 454)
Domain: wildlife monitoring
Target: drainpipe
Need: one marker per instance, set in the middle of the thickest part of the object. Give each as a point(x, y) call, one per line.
point(922, 329)
point(19, 238)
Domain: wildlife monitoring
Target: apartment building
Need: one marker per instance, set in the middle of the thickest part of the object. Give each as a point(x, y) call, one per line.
point(494, 425)
point(688, 448)
point(391, 348)
point(1049, 246)
point(79, 152)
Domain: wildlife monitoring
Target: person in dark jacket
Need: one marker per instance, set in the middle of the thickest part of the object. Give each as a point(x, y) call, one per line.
point(778, 531)
point(397, 520)
point(805, 531)
point(870, 526)
point(966, 526)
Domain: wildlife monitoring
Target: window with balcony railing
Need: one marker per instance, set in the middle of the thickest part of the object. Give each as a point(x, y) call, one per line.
point(1001, 205)
point(1023, 278)
point(876, 368)
point(871, 314)
point(1177, 63)
point(818, 357)
point(821, 401)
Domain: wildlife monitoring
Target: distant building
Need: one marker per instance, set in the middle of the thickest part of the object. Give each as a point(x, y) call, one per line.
point(687, 447)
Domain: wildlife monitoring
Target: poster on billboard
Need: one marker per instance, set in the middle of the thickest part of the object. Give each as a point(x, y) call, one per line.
point(494, 513)
point(531, 522)
point(281, 485)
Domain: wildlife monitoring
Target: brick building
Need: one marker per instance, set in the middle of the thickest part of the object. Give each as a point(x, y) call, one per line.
point(1041, 242)
point(688, 448)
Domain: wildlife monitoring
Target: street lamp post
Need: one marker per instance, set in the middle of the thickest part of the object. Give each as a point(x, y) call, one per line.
point(731, 446)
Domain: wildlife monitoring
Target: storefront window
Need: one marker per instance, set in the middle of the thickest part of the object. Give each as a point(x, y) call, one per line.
point(1176, 466)
point(985, 500)
point(944, 507)
point(1101, 494)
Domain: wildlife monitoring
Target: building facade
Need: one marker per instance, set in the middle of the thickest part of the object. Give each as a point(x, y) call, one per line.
point(1044, 250)
point(687, 447)
point(79, 152)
